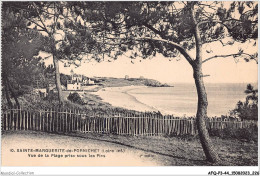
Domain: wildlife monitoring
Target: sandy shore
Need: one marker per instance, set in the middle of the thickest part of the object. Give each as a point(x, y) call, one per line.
point(123, 98)
point(119, 97)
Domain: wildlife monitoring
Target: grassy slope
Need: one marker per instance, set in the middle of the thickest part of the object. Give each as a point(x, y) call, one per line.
point(178, 152)
point(34, 102)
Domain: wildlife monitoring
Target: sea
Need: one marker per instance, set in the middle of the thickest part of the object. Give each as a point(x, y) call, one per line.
point(181, 100)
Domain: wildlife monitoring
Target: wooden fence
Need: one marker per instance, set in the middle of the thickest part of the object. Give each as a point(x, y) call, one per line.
point(65, 120)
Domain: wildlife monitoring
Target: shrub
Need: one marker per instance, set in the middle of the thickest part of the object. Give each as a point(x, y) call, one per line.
point(51, 96)
point(244, 134)
point(75, 98)
point(246, 111)
point(249, 109)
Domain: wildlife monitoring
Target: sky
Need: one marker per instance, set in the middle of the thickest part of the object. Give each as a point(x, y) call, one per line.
point(172, 70)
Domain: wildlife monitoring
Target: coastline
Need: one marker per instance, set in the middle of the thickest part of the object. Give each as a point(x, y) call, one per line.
point(122, 97)
point(131, 98)
point(119, 97)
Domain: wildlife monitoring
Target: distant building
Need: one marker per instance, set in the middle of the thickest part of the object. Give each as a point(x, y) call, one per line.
point(85, 82)
point(91, 81)
point(126, 77)
point(76, 77)
point(73, 85)
point(88, 81)
point(77, 82)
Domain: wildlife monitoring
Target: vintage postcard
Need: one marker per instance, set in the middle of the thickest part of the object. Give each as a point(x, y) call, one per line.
point(130, 83)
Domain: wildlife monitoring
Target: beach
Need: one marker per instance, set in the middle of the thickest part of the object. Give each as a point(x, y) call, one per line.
point(119, 97)
point(180, 100)
point(128, 97)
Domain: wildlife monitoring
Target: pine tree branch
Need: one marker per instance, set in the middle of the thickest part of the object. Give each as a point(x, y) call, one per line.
point(45, 28)
point(154, 30)
point(229, 55)
point(223, 22)
point(173, 44)
point(42, 28)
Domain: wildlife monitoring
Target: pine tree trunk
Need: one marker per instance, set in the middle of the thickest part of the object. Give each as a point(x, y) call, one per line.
point(12, 93)
point(206, 143)
point(9, 102)
point(57, 78)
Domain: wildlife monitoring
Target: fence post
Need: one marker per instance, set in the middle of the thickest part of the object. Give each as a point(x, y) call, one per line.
point(26, 120)
point(53, 119)
point(4, 121)
point(127, 125)
point(57, 119)
point(40, 120)
point(33, 121)
point(15, 118)
point(11, 119)
point(71, 118)
point(45, 118)
point(75, 119)
point(29, 120)
point(66, 120)
point(62, 118)
point(48, 119)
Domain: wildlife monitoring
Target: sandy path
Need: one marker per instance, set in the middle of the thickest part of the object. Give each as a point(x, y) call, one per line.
point(118, 96)
point(105, 154)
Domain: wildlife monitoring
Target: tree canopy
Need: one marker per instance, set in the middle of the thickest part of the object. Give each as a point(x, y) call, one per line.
point(148, 28)
point(20, 47)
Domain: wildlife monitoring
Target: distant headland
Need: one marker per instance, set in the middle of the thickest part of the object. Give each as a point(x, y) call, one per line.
point(127, 81)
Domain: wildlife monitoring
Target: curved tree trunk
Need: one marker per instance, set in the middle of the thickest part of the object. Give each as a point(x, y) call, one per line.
point(57, 78)
point(206, 143)
point(9, 102)
point(12, 93)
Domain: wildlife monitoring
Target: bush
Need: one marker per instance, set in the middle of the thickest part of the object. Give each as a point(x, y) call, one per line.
point(244, 134)
point(75, 98)
point(248, 110)
point(51, 96)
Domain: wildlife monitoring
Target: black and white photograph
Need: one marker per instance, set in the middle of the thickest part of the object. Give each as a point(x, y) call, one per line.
point(130, 83)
